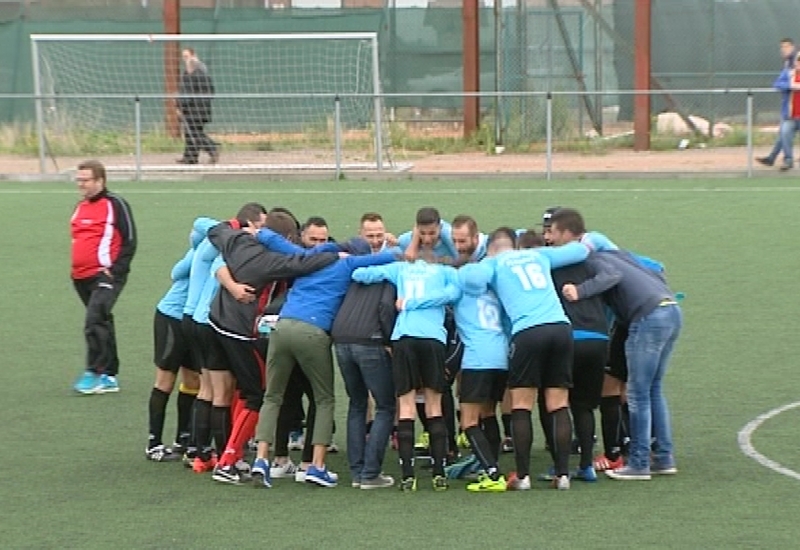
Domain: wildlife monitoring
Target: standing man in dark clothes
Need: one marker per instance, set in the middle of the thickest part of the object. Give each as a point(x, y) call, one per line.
point(362, 334)
point(103, 246)
point(590, 349)
point(194, 109)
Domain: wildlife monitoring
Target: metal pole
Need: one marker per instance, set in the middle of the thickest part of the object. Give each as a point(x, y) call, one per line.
point(749, 134)
point(37, 89)
point(549, 154)
point(137, 118)
point(498, 63)
point(376, 88)
point(337, 136)
point(598, 66)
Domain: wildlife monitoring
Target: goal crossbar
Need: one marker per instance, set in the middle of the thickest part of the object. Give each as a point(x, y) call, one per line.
point(202, 37)
point(40, 42)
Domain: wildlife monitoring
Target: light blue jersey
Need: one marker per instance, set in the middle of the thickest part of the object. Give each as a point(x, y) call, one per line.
point(425, 288)
point(204, 255)
point(522, 281)
point(210, 289)
point(443, 248)
point(481, 324)
point(598, 242)
point(174, 300)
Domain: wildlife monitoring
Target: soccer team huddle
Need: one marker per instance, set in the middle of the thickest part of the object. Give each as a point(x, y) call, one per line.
point(260, 306)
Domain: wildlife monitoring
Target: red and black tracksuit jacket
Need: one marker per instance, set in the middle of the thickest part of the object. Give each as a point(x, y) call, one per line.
point(103, 237)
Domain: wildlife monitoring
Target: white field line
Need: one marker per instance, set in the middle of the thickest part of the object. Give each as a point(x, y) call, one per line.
point(380, 190)
point(746, 444)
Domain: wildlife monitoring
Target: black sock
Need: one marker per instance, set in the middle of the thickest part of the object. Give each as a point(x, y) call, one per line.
point(185, 402)
point(483, 451)
point(583, 417)
point(610, 423)
point(506, 418)
point(522, 431)
point(624, 428)
point(439, 435)
point(422, 417)
point(562, 439)
point(220, 426)
point(491, 430)
point(405, 447)
point(449, 417)
point(201, 427)
point(544, 422)
point(157, 411)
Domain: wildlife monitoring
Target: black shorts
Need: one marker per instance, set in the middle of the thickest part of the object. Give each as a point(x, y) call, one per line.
point(189, 336)
point(482, 386)
point(588, 369)
point(171, 351)
point(541, 357)
point(617, 365)
point(213, 356)
point(418, 363)
point(247, 366)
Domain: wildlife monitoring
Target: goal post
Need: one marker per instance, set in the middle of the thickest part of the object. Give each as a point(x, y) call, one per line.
point(273, 106)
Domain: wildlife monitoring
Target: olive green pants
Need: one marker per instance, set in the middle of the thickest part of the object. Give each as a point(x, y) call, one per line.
point(293, 343)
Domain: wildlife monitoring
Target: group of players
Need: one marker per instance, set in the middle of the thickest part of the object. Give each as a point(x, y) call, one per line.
point(252, 321)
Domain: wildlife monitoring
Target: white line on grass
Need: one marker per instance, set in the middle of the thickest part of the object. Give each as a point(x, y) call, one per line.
point(746, 445)
point(404, 191)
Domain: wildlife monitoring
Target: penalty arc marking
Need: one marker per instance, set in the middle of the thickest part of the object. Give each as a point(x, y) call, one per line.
point(746, 444)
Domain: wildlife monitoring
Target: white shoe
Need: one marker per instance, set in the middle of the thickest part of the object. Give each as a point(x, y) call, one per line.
point(561, 483)
point(518, 484)
point(287, 469)
point(296, 441)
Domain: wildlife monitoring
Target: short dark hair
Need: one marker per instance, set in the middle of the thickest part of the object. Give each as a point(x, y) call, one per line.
point(286, 211)
point(787, 41)
point(282, 224)
point(316, 221)
point(568, 219)
point(371, 217)
point(250, 212)
point(428, 215)
point(97, 168)
point(530, 239)
point(469, 221)
point(503, 232)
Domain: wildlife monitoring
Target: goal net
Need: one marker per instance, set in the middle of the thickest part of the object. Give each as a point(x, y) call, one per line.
point(273, 106)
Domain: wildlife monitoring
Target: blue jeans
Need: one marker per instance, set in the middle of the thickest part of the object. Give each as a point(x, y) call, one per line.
point(648, 348)
point(367, 369)
point(788, 130)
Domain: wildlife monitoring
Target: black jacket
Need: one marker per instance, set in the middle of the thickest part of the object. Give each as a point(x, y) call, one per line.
point(196, 109)
point(588, 314)
point(366, 316)
point(252, 264)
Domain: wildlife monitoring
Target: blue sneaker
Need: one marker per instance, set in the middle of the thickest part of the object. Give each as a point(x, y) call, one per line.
point(260, 473)
point(87, 383)
point(585, 474)
point(320, 476)
point(107, 384)
point(464, 467)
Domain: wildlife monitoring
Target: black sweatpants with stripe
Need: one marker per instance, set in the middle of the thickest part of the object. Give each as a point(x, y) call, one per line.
point(99, 295)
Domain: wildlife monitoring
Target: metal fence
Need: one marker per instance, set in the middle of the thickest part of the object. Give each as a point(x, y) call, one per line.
point(558, 145)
